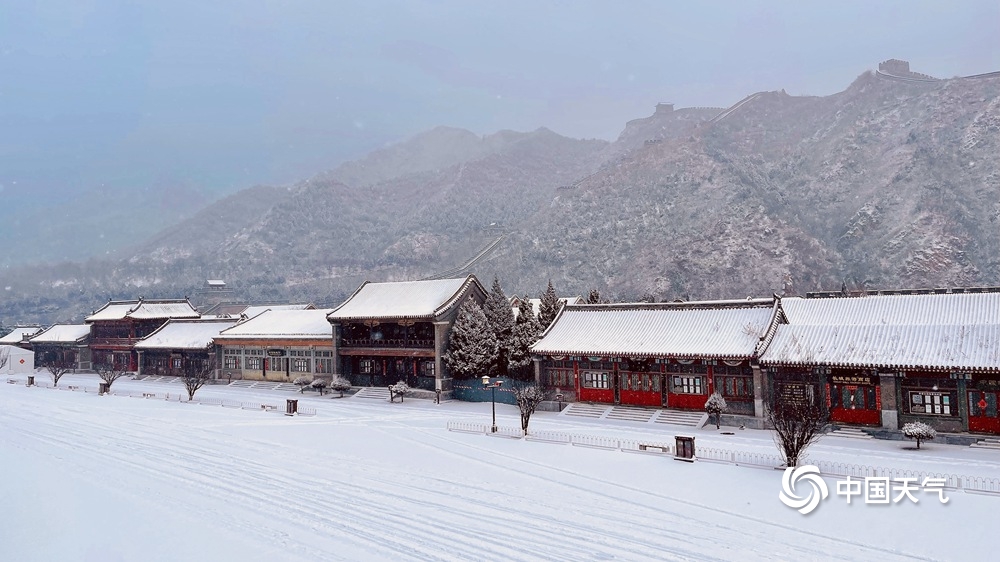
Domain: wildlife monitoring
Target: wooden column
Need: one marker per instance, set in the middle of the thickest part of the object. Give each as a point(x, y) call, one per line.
point(759, 385)
point(887, 393)
point(441, 382)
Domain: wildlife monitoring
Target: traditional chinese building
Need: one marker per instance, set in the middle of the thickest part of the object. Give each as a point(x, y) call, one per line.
point(118, 325)
point(387, 332)
point(64, 344)
point(182, 345)
point(894, 357)
point(671, 355)
point(20, 335)
point(278, 345)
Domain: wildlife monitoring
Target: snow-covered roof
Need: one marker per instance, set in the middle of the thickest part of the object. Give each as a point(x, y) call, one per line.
point(185, 334)
point(144, 310)
point(62, 333)
point(406, 299)
point(898, 310)
point(536, 304)
point(17, 334)
point(726, 330)
point(972, 347)
point(252, 311)
point(289, 324)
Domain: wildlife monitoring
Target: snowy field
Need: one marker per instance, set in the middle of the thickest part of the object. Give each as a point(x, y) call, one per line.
point(116, 478)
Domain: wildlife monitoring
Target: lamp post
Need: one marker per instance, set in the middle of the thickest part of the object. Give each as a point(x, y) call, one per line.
point(493, 387)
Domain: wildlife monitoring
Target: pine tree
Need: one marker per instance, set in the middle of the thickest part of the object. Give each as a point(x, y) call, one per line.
point(500, 318)
point(549, 308)
point(472, 347)
point(526, 331)
point(594, 297)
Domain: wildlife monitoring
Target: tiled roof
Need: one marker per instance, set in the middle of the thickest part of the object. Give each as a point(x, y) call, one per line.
point(252, 311)
point(17, 334)
point(63, 333)
point(725, 331)
point(971, 347)
point(406, 299)
point(896, 310)
point(145, 310)
point(185, 334)
point(292, 324)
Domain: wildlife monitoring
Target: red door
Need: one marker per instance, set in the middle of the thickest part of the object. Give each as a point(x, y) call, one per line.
point(640, 389)
point(855, 403)
point(983, 412)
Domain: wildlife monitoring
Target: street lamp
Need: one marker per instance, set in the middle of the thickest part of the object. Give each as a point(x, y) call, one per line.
point(493, 386)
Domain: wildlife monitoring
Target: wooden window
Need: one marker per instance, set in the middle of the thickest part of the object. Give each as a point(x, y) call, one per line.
point(232, 361)
point(366, 366)
point(255, 363)
point(300, 365)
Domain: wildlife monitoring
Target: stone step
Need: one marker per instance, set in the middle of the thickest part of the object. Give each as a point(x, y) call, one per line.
point(630, 414)
point(686, 419)
point(373, 392)
point(987, 444)
point(850, 433)
point(585, 410)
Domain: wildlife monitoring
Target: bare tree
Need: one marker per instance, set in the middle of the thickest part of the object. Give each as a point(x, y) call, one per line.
point(340, 384)
point(56, 368)
point(798, 421)
point(528, 398)
point(110, 372)
point(4, 356)
point(196, 373)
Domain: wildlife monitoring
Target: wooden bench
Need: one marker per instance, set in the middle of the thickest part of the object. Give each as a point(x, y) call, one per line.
point(149, 395)
point(73, 387)
point(268, 407)
point(646, 447)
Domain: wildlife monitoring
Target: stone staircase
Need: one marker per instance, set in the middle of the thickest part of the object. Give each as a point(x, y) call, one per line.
point(987, 443)
point(373, 392)
point(681, 418)
point(850, 433)
point(626, 413)
point(585, 410)
point(266, 385)
point(635, 414)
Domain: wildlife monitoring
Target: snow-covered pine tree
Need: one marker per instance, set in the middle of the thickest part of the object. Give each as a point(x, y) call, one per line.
point(919, 431)
point(472, 347)
point(528, 398)
point(526, 331)
point(549, 308)
point(500, 318)
point(594, 297)
point(715, 405)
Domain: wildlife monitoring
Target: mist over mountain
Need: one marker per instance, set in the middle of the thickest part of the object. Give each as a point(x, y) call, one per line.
point(889, 183)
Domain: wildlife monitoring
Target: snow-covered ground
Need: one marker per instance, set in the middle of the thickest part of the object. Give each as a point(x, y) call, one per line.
point(116, 478)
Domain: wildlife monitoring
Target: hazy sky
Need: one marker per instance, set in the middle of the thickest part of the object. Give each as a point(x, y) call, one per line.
point(225, 94)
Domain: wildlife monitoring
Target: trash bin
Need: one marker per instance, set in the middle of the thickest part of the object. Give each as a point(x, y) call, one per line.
point(31, 380)
point(102, 388)
point(291, 407)
point(684, 448)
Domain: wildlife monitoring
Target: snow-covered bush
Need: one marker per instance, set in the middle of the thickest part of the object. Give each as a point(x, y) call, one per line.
point(400, 389)
point(919, 431)
point(303, 382)
point(318, 385)
point(715, 405)
point(528, 398)
point(340, 384)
